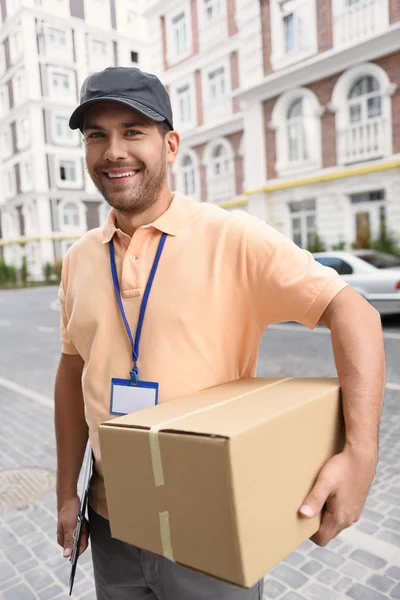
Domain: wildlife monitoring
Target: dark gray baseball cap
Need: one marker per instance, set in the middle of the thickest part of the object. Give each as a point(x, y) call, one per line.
point(129, 85)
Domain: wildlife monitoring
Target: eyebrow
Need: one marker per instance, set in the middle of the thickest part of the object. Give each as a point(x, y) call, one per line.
point(124, 125)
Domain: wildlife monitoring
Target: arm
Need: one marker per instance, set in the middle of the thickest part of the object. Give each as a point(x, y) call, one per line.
point(71, 438)
point(344, 482)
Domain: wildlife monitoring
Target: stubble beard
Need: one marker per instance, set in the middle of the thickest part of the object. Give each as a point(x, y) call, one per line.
point(144, 194)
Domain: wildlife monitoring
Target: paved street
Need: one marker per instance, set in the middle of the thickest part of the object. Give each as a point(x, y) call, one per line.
point(362, 564)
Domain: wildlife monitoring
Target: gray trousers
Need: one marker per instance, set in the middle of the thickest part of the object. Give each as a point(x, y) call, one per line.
point(124, 572)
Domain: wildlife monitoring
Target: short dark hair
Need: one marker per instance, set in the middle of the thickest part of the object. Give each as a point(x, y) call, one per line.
point(163, 128)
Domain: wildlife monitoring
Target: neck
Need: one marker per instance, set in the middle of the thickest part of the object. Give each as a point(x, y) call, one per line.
point(129, 223)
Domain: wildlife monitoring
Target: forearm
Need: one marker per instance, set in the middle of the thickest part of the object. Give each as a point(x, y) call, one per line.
point(70, 426)
point(360, 361)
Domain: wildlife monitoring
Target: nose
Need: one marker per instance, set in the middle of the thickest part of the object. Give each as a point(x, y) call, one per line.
point(115, 150)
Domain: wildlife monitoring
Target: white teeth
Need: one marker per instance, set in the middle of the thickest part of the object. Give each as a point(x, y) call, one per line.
point(127, 174)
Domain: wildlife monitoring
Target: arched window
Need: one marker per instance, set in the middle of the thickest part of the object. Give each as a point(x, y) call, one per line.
point(297, 144)
point(188, 175)
point(71, 216)
point(364, 100)
point(362, 103)
point(221, 182)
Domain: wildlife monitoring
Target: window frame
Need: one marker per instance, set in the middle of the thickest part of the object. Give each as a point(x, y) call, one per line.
point(303, 210)
point(340, 107)
point(312, 111)
point(172, 55)
point(304, 20)
point(76, 183)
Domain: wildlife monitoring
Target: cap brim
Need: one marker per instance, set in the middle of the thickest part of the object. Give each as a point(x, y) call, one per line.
point(76, 120)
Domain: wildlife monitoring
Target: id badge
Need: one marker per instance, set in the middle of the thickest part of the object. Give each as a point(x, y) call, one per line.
point(127, 398)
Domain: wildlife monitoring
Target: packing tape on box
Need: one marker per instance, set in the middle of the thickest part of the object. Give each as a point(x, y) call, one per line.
point(155, 430)
point(165, 529)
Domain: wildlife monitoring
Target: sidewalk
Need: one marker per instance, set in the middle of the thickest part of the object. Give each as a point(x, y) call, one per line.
point(362, 564)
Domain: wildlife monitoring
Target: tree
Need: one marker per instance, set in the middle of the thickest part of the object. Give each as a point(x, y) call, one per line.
point(317, 245)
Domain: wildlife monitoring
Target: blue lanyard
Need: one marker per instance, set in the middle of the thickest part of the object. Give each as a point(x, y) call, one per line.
point(135, 344)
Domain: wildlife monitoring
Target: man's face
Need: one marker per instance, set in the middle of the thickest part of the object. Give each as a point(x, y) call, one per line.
point(125, 156)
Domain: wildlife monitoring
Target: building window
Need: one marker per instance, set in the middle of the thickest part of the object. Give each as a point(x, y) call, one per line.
point(99, 48)
point(4, 101)
point(296, 119)
point(19, 87)
point(23, 133)
point(71, 215)
point(189, 177)
point(212, 22)
point(134, 57)
point(26, 176)
point(364, 136)
point(362, 102)
point(293, 31)
point(68, 170)
point(3, 65)
point(288, 32)
point(62, 129)
point(221, 180)
point(57, 38)
point(6, 144)
point(216, 82)
point(179, 26)
point(184, 104)
point(303, 221)
point(375, 196)
point(212, 10)
point(60, 82)
point(297, 143)
point(11, 184)
point(15, 45)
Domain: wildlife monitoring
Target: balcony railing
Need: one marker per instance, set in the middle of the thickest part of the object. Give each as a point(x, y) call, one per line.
point(213, 32)
point(360, 21)
point(362, 141)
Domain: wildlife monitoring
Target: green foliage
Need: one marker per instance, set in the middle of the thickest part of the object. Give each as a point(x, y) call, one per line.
point(340, 245)
point(48, 271)
point(3, 271)
point(317, 245)
point(24, 270)
point(58, 268)
point(387, 241)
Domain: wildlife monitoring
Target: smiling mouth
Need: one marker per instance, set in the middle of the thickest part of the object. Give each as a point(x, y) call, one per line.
point(119, 178)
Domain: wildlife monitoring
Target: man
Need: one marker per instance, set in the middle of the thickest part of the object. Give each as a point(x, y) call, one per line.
point(221, 279)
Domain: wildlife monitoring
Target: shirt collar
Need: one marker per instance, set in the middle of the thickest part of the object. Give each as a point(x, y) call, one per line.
point(170, 222)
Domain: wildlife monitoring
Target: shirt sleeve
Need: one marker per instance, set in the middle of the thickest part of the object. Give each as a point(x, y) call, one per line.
point(285, 282)
point(67, 347)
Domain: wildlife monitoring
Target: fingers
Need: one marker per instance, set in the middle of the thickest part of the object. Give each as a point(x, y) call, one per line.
point(316, 499)
point(68, 543)
point(84, 540)
point(327, 531)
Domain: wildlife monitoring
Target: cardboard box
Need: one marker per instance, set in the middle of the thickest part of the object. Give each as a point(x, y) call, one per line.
point(214, 480)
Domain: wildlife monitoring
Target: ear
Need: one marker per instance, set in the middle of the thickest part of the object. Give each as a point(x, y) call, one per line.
point(172, 141)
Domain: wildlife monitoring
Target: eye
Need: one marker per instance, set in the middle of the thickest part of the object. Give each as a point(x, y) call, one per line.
point(132, 133)
point(96, 134)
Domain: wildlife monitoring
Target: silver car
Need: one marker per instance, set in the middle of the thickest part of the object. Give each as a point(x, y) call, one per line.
point(375, 275)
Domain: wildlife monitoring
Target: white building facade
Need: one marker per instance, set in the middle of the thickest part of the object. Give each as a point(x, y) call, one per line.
point(289, 109)
point(47, 49)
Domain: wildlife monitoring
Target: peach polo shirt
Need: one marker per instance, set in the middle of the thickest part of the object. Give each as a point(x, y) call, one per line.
point(223, 277)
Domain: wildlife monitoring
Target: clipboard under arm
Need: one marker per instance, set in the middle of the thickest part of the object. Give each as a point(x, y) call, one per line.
point(82, 516)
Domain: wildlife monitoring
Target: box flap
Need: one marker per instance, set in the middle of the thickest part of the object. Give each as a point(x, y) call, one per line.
point(225, 410)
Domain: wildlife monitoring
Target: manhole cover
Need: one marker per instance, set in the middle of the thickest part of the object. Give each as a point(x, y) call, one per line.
point(20, 487)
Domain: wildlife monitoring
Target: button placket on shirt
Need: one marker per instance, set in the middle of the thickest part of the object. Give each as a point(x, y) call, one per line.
point(132, 265)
